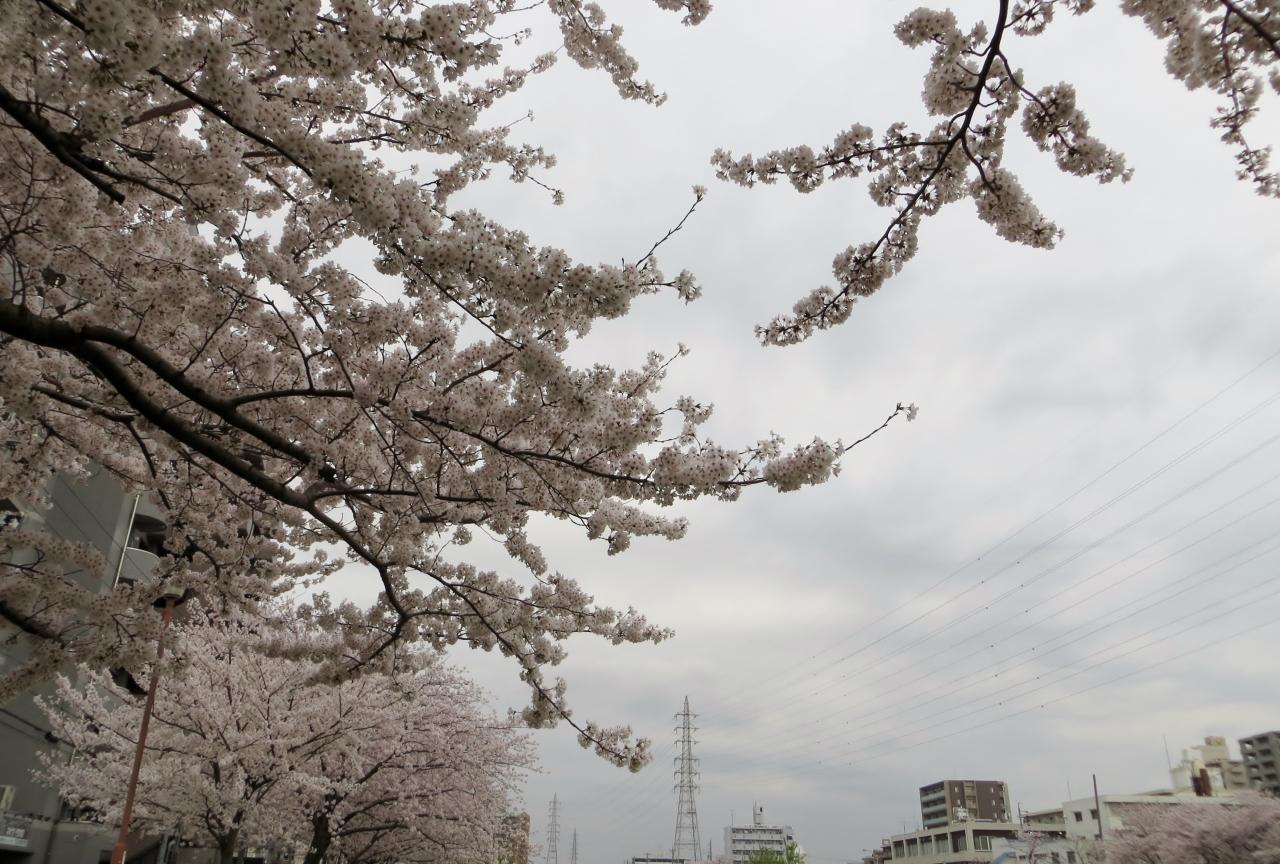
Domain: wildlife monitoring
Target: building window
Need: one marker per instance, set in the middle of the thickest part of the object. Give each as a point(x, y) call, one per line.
point(982, 842)
point(1079, 816)
point(958, 843)
point(1093, 814)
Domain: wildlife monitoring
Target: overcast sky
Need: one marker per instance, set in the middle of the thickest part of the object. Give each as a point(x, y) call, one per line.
point(1070, 554)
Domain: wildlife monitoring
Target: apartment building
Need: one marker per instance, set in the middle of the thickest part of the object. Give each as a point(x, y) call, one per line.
point(949, 802)
point(742, 841)
point(34, 822)
point(1261, 756)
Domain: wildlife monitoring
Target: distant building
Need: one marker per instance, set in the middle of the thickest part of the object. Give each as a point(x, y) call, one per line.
point(1208, 769)
point(1261, 755)
point(948, 802)
point(741, 841)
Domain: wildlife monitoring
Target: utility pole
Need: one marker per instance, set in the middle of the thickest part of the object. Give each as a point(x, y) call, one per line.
point(553, 832)
point(1097, 805)
point(687, 846)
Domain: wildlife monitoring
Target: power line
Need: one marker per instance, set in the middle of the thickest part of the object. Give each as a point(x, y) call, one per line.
point(985, 606)
point(1197, 649)
point(894, 711)
point(1079, 553)
point(789, 672)
point(999, 703)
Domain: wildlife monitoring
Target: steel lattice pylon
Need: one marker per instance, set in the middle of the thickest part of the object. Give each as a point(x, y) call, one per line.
point(573, 854)
point(553, 832)
point(687, 845)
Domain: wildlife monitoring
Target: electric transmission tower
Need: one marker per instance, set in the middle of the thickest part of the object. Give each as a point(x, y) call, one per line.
point(553, 833)
point(687, 845)
point(573, 850)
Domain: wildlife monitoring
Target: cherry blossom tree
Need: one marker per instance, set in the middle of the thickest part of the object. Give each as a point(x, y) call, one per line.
point(975, 89)
point(247, 751)
point(182, 184)
point(1244, 831)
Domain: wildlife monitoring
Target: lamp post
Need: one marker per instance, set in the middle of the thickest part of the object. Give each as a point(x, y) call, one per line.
point(121, 847)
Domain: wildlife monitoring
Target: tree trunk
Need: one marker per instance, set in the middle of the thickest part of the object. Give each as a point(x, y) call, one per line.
point(321, 839)
point(227, 847)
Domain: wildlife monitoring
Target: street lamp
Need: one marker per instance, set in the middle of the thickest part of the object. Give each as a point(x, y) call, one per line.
point(166, 602)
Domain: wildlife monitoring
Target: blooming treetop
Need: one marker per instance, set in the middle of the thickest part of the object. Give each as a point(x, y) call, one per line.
point(1246, 831)
point(1229, 46)
point(247, 751)
point(179, 180)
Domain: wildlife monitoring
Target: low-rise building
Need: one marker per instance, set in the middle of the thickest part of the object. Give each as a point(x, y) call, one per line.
point(1088, 818)
point(970, 842)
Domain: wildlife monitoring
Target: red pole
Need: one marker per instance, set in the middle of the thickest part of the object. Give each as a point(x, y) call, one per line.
point(118, 852)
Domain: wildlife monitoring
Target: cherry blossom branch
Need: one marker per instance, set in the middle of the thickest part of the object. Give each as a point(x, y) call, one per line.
point(1272, 39)
point(62, 146)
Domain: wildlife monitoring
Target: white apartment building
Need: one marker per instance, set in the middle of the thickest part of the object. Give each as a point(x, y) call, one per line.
point(741, 841)
point(1082, 819)
point(1208, 769)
